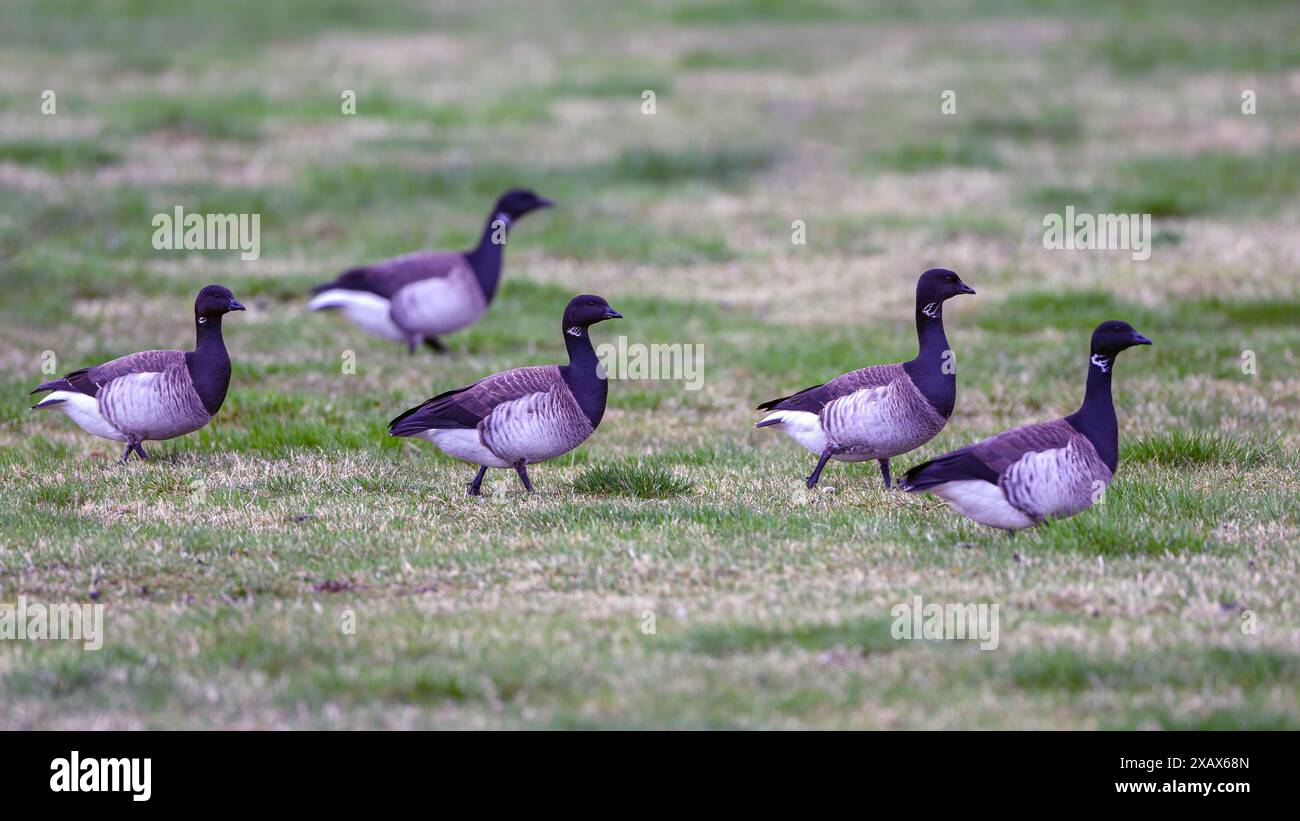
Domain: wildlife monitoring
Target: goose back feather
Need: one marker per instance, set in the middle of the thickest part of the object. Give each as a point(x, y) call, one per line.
point(386, 278)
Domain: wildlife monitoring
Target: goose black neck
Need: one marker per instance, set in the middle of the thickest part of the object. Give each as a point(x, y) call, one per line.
point(485, 258)
point(933, 371)
point(582, 374)
point(1095, 418)
point(208, 363)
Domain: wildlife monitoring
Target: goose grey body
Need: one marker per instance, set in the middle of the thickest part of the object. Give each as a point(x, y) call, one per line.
point(443, 303)
point(871, 413)
point(1048, 470)
point(149, 396)
point(1043, 471)
point(152, 395)
point(880, 411)
point(522, 416)
point(410, 298)
point(418, 297)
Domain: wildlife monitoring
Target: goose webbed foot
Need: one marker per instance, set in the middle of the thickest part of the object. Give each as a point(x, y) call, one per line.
point(884, 471)
point(817, 471)
point(475, 487)
point(522, 469)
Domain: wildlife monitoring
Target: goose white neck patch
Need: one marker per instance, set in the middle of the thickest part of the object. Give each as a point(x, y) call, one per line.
point(574, 331)
point(1101, 362)
point(932, 310)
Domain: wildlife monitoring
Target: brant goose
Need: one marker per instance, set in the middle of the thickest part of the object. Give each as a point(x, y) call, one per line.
point(525, 415)
point(1048, 470)
point(884, 410)
point(152, 395)
point(417, 297)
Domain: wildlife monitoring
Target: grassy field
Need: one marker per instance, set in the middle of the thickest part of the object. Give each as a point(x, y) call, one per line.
point(232, 565)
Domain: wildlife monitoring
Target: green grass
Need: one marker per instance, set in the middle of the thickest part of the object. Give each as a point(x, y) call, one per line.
point(862, 636)
point(57, 157)
point(1142, 53)
point(673, 571)
point(629, 479)
point(922, 155)
point(1214, 182)
point(1180, 448)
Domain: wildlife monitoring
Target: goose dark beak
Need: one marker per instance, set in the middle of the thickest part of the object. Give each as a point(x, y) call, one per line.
point(236, 305)
point(1139, 339)
point(610, 313)
point(543, 202)
point(965, 289)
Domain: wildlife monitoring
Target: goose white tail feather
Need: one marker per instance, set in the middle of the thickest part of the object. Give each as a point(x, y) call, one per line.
point(84, 410)
point(370, 312)
point(801, 426)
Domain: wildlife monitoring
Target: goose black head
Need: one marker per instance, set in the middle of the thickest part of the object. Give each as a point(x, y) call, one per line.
point(585, 310)
point(937, 285)
point(1113, 336)
point(215, 301)
point(519, 201)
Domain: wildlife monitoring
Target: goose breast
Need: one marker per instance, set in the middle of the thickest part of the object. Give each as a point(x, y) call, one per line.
point(536, 427)
point(1056, 483)
point(153, 406)
point(440, 305)
point(882, 421)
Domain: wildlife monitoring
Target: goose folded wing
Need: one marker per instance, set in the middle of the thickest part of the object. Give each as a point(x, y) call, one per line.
point(389, 277)
point(813, 399)
point(90, 380)
point(989, 460)
point(467, 407)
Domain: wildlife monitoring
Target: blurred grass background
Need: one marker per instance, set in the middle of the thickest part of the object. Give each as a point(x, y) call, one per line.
point(771, 604)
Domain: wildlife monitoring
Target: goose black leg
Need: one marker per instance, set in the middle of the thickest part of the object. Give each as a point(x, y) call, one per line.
point(139, 449)
point(475, 485)
point(817, 471)
point(435, 343)
point(522, 469)
point(884, 471)
point(126, 454)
